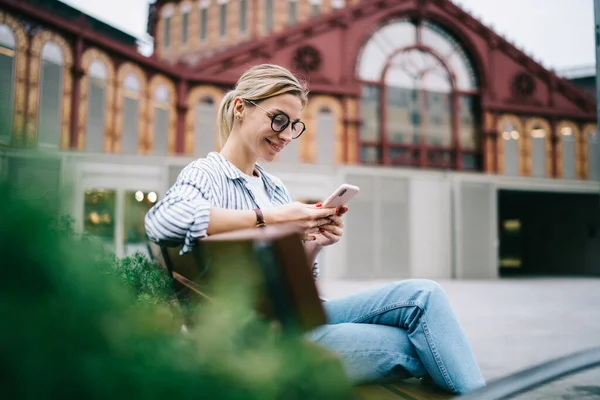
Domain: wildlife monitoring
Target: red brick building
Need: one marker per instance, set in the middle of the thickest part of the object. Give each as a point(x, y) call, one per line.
point(412, 84)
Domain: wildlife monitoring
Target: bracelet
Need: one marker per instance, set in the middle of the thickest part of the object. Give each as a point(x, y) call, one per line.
point(260, 220)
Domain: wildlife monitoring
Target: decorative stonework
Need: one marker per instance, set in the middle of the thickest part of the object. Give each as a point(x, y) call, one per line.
point(523, 85)
point(307, 59)
point(37, 44)
point(124, 70)
point(196, 94)
point(18, 138)
point(86, 60)
point(148, 140)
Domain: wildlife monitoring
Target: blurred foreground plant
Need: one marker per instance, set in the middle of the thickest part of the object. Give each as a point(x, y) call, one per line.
point(73, 326)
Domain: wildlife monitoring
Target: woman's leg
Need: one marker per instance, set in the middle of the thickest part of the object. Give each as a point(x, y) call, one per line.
point(371, 353)
point(420, 308)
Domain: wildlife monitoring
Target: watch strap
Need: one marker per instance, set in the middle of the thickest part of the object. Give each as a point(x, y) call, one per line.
point(260, 219)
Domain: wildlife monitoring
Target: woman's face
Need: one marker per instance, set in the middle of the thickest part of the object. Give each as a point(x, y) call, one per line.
point(257, 120)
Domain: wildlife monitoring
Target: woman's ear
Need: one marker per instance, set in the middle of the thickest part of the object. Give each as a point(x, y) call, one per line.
point(238, 108)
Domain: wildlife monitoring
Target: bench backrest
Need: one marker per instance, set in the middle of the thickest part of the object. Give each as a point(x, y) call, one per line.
point(272, 258)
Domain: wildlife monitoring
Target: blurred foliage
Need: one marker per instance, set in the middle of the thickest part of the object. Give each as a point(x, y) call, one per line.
point(79, 324)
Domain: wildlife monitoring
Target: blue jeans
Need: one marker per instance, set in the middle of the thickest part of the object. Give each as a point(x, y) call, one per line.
point(401, 330)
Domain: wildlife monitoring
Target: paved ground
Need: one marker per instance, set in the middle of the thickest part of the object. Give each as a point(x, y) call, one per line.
point(515, 323)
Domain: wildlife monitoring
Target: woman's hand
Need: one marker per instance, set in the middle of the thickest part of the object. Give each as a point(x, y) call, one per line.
point(307, 217)
point(332, 232)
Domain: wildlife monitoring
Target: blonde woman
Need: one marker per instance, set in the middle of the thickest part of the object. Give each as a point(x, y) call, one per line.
point(404, 329)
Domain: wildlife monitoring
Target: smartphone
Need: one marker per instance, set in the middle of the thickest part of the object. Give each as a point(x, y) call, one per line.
point(341, 196)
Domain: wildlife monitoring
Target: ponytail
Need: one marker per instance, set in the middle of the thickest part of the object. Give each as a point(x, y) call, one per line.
point(225, 116)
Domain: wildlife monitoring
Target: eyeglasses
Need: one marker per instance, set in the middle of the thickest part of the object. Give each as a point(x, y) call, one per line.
point(280, 121)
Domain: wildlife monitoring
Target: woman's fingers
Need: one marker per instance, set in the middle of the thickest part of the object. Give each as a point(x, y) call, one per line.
point(336, 220)
point(308, 238)
point(333, 229)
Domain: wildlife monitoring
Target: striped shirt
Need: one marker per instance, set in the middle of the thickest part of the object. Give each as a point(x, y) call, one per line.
point(184, 213)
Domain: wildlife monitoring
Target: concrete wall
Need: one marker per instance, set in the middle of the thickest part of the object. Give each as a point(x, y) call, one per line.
point(405, 223)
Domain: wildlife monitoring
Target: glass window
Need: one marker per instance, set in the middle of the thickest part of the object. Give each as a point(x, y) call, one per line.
point(167, 32)
point(223, 19)
point(99, 215)
point(268, 15)
point(293, 12)
point(569, 169)
point(7, 37)
point(137, 204)
point(370, 113)
point(184, 27)
point(203, 23)
point(593, 155)
point(538, 151)
point(7, 80)
point(315, 9)
point(131, 115)
point(420, 75)
point(511, 137)
point(243, 16)
point(204, 138)
point(50, 101)
point(325, 137)
point(470, 122)
point(96, 107)
point(370, 154)
point(161, 120)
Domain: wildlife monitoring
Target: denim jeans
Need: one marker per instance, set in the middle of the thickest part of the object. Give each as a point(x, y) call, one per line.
point(401, 330)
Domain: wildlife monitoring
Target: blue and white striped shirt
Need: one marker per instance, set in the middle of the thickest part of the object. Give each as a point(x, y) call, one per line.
point(184, 213)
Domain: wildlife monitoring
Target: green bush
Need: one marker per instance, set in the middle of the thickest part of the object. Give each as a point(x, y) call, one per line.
point(76, 324)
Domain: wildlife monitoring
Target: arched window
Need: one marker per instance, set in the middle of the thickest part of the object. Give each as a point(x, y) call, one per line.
point(96, 115)
point(50, 100)
point(269, 15)
point(420, 103)
point(203, 19)
point(315, 8)
point(243, 16)
point(185, 22)
point(568, 140)
point(510, 138)
point(538, 135)
point(292, 12)
point(7, 82)
point(205, 127)
point(222, 18)
point(325, 137)
point(131, 114)
point(167, 16)
point(162, 107)
point(593, 154)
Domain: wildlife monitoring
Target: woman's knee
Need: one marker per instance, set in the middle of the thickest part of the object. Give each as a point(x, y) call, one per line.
point(418, 288)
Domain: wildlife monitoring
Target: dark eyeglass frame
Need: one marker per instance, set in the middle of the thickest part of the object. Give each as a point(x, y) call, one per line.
point(285, 126)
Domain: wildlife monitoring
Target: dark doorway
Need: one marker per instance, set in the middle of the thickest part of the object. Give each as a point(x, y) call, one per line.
point(551, 234)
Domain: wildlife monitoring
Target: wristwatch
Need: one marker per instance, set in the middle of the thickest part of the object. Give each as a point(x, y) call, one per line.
point(260, 220)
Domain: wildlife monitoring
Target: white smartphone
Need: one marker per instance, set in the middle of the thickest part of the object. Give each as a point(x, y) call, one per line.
point(341, 196)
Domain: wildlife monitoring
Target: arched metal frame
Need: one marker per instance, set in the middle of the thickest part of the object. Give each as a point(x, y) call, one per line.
point(423, 149)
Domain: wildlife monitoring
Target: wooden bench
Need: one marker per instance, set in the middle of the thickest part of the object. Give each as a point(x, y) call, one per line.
point(273, 260)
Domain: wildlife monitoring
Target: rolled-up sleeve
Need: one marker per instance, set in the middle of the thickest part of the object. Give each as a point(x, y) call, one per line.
point(184, 213)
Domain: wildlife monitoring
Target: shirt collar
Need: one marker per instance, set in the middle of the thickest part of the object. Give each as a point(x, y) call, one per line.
point(232, 172)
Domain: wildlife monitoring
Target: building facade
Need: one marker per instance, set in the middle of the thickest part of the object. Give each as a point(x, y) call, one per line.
point(446, 126)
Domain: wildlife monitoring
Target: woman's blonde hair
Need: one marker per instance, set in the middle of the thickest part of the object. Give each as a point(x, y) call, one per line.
point(259, 83)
